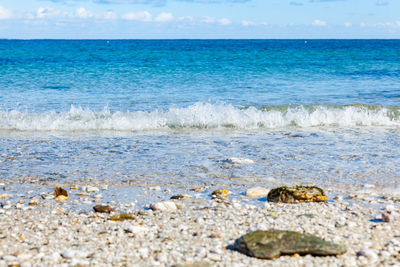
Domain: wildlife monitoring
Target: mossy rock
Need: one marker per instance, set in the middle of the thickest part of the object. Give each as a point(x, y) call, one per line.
point(297, 194)
point(274, 243)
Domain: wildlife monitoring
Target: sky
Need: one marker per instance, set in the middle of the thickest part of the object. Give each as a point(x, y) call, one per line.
point(200, 19)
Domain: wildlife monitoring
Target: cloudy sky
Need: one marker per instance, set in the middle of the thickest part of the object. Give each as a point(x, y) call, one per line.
point(108, 19)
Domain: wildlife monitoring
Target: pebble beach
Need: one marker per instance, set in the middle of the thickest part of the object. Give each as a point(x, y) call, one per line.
point(190, 230)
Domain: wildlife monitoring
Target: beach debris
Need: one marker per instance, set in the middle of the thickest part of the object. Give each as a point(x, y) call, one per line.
point(103, 209)
point(61, 198)
point(220, 194)
point(257, 192)
point(274, 243)
point(4, 196)
point(74, 187)
point(239, 161)
point(58, 191)
point(164, 206)
point(297, 194)
point(181, 197)
point(122, 217)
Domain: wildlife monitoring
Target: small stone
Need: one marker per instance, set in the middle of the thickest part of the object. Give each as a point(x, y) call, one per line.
point(103, 209)
point(90, 189)
point(239, 161)
point(98, 196)
point(256, 192)
point(194, 264)
point(272, 244)
point(200, 189)
point(72, 253)
point(368, 253)
point(297, 194)
point(164, 206)
point(61, 198)
point(181, 197)
point(137, 229)
point(220, 194)
point(122, 217)
point(58, 191)
point(390, 208)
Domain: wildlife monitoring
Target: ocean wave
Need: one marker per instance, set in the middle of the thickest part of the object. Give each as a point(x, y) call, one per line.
point(203, 116)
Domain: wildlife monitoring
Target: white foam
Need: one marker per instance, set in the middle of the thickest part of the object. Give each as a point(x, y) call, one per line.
point(201, 116)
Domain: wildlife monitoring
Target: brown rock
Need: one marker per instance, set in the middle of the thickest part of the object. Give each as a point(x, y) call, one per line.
point(103, 209)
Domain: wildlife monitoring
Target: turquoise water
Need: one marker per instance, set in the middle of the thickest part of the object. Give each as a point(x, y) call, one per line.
point(173, 111)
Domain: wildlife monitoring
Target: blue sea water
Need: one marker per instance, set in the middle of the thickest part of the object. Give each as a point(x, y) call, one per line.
point(173, 111)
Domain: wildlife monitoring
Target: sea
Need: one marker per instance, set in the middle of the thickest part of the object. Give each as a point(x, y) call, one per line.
point(228, 113)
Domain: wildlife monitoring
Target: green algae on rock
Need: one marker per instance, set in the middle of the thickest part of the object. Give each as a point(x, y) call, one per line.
point(297, 194)
point(274, 243)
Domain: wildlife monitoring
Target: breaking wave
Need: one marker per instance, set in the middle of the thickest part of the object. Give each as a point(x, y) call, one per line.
point(203, 116)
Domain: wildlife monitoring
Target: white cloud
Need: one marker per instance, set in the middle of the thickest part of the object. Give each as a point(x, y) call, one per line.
point(224, 21)
point(207, 19)
point(5, 13)
point(319, 23)
point(47, 12)
point(186, 18)
point(108, 15)
point(348, 24)
point(246, 23)
point(140, 16)
point(395, 24)
point(83, 13)
point(164, 17)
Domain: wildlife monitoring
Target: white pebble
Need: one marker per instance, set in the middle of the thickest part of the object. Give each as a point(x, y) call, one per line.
point(164, 206)
point(368, 253)
point(136, 229)
point(256, 192)
point(72, 253)
point(240, 161)
point(90, 189)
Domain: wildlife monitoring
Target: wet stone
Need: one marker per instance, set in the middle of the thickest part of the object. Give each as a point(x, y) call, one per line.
point(220, 194)
point(58, 191)
point(297, 194)
point(103, 209)
point(274, 243)
point(122, 217)
point(181, 197)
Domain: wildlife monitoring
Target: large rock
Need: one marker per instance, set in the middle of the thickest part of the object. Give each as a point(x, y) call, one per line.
point(274, 243)
point(297, 194)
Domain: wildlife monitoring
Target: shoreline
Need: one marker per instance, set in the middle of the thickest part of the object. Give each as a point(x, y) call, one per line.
point(201, 230)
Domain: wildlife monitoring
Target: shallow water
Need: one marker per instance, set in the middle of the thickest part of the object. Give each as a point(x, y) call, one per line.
point(173, 112)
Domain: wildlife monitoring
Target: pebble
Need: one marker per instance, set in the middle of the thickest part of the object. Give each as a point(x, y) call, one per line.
point(164, 206)
point(90, 189)
point(137, 229)
point(72, 253)
point(239, 161)
point(257, 192)
point(368, 253)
